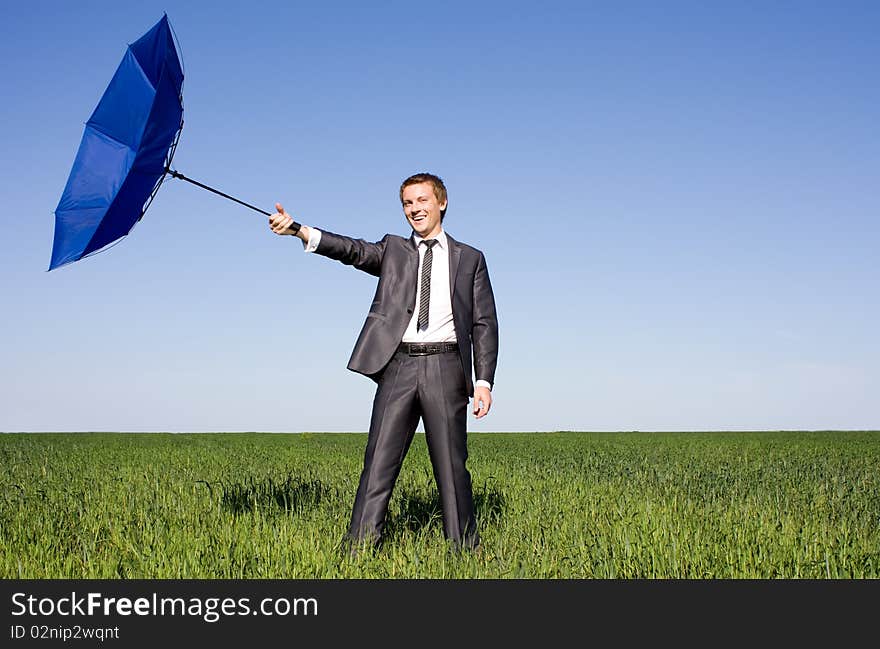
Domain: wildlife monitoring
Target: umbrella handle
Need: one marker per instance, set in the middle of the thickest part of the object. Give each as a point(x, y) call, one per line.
point(176, 174)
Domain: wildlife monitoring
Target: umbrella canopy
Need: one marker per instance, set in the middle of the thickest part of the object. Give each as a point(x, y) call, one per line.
point(125, 151)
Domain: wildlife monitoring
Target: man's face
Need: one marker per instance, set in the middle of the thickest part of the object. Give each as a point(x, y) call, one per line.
point(422, 209)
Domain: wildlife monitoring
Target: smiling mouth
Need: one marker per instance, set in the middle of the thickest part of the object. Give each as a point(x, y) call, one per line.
point(416, 219)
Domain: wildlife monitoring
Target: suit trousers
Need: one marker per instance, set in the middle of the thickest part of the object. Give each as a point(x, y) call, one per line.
point(431, 387)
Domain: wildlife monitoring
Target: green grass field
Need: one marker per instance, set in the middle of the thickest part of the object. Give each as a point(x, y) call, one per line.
point(550, 505)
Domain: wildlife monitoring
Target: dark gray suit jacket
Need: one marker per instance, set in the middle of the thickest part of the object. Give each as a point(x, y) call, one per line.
point(395, 261)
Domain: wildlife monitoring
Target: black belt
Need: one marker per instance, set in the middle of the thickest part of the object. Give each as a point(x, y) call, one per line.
point(423, 349)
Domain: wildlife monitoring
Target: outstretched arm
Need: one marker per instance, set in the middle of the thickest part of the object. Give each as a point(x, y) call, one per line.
point(361, 254)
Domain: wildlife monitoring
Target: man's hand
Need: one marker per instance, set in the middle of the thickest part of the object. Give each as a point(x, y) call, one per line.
point(482, 402)
point(281, 220)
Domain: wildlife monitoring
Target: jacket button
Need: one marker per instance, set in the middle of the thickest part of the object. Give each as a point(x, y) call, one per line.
point(409, 311)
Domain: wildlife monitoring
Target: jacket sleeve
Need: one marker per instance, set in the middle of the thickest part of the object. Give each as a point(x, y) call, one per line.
point(361, 254)
point(485, 330)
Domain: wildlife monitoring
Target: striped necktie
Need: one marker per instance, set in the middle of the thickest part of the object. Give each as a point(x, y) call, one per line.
point(426, 284)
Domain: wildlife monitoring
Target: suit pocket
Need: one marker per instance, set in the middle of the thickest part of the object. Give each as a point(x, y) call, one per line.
point(378, 316)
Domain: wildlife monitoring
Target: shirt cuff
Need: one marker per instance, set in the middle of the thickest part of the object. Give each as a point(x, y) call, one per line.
point(480, 383)
point(314, 239)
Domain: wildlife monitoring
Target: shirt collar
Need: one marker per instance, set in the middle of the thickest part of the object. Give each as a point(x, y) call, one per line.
point(441, 240)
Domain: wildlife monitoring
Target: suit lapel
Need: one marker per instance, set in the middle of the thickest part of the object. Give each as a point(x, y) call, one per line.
point(454, 257)
point(413, 252)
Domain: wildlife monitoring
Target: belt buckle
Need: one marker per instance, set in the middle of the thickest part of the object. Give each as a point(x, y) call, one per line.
point(425, 349)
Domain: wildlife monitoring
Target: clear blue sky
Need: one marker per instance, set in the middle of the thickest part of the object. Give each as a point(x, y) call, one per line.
point(678, 203)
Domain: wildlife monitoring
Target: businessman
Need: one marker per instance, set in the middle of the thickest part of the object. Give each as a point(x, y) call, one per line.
point(432, 323)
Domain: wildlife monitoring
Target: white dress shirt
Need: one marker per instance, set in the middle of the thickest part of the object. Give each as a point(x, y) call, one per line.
point(441, 327)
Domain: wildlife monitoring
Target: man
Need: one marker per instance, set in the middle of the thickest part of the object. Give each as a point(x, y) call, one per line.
point(432, 319)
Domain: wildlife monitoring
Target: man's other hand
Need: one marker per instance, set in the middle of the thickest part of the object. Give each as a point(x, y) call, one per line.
point(482, 401)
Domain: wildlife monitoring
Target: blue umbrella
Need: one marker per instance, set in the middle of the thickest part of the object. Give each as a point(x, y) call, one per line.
point(126, 150)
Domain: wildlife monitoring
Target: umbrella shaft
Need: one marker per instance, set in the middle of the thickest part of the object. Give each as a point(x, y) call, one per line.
point(179, 175)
